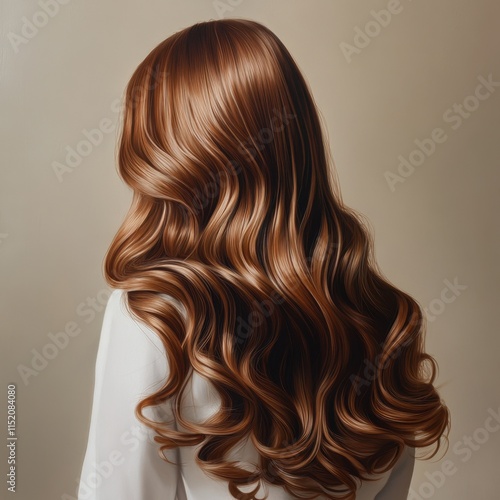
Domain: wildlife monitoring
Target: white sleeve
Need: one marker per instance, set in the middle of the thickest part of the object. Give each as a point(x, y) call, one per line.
point(121, 459)
point(398, 484)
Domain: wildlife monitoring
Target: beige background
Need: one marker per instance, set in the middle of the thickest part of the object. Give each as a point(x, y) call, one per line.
point(439, 224)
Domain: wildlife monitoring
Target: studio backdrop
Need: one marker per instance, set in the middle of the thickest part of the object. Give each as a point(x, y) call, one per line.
point(409, 96)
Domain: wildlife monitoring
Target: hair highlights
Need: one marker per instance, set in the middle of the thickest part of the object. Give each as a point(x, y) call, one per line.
point(236, 215)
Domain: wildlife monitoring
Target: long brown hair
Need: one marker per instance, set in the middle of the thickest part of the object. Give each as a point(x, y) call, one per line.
point(236, 215)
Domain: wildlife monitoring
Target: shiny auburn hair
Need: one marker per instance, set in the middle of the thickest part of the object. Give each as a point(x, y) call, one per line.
point(236, 215)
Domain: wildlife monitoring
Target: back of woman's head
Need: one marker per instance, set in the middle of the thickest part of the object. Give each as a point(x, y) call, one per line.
point(237, 216)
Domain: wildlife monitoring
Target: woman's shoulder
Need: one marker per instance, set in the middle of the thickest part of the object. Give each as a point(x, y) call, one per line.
point(126, 333)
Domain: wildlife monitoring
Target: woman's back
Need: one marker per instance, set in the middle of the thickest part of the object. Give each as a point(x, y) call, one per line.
point(121, 460)
point(202, 401)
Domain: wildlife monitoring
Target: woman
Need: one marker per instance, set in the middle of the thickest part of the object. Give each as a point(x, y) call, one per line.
point(251, 346)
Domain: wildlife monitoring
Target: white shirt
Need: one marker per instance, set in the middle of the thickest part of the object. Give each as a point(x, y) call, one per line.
point(121, 460)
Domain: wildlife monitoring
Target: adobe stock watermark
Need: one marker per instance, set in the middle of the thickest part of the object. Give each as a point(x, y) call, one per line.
point(223, 7)
point(363, 36)
point(266, 134)
point(372, 369)
point(436, 307)
point(249, 148)
point(11, 438)
point(271, 475)
point(448, 295)
point(60, 340)
point(265, 308)
point(130, 441)
point(454, 116)
point(94, 137)
point(465, 448)
point(31, 27)
point(271, 466)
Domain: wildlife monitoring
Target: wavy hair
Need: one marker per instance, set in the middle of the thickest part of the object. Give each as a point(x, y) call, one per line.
point(236, 215)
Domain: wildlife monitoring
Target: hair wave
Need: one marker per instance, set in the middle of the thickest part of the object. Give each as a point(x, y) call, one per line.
point(236, 214)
